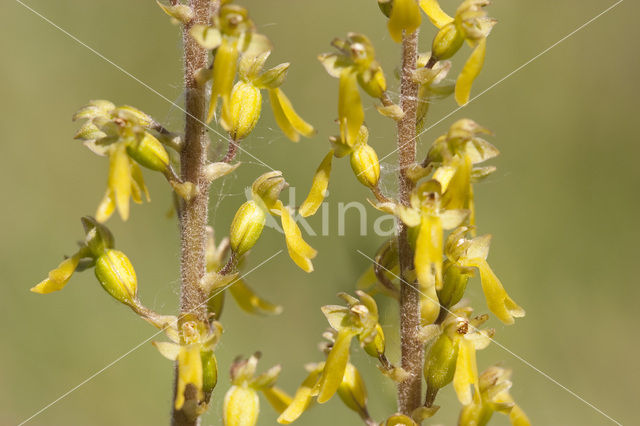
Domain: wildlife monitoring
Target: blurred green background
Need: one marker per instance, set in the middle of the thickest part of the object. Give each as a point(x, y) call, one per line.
point(563, 208)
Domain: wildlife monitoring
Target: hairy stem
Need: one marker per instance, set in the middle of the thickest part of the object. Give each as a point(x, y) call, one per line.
point(194, 215)
point(410, 390)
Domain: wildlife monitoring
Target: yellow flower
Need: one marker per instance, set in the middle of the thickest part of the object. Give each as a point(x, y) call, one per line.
point(427, 220)
point(113, 269)
point(192, 346)
point(354, 65)
point(351, 390)
point(241, 403)
point(493, 396)
point(359, 319)
point(124, 135)
point(472, 253)
point(231, 33)
point(242, 293)
point(471, 24)
point(454, 155)
point(364, 163)
point(452, 356)
point(250, 218)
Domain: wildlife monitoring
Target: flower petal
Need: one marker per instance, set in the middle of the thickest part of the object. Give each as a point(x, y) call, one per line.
point(350, 112)
point(299, 250)
point(428, 255)
point(466, 374)
point(278, 398)
point(120, 179)
point(58, 277)
point(167, 349)
point(250, 302)
point(291, 124)
point(405, 15)
point(435, 13)
point(302, 398)
point(470, 71)
point(189, 372)
point(498, 300)
point(318, 187)
point(335, 367)
point(224, 71)
point(106, 207)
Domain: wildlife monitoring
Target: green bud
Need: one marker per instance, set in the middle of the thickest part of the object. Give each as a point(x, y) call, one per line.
point(455, 279)
point(440, 362)
point(372, 81)
point(246, 103)
point(209, 371)
point(273, 77)
point(353, 392)
point(365, 165)
point(447, 42)
point(149, 152)
point(246, 227)
point(98, 237)
point(267, 188)
point(117, 276)
point(376, 346)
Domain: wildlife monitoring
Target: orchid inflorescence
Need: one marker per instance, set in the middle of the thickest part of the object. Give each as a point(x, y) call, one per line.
point(439, 216)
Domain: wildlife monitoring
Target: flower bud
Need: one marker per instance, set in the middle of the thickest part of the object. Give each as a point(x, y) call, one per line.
point(447, 42)
point(267, 188)
point(246, 227)
point(149, 152)
point(376, 346)
point(364, 162)
point(209, 371)
point(273, 77)
point(353, 392)
point(98, 238)
point(246, 103)
point(373, 82)
point(117, 276)
point(241, 406)
point(455, 279)
point(440, 363)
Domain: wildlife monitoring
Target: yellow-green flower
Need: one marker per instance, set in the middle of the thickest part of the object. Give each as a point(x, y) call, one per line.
point(232, 33)
point(427, 220)
point(124, 135)
point(353, 65)
point(452, 355)
point(470, 24)
point(454, 155)
point(245, 100)
point(364, 163)
point(241, 292)
point(192, 346)
point(249, 221)
point(113, 269)
point(351, 390)
point(493, 396)
point(241, 402)
point(472, 253)
point(359, 319)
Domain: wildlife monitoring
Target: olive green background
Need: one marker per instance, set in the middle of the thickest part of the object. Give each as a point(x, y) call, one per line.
point(562, 208)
